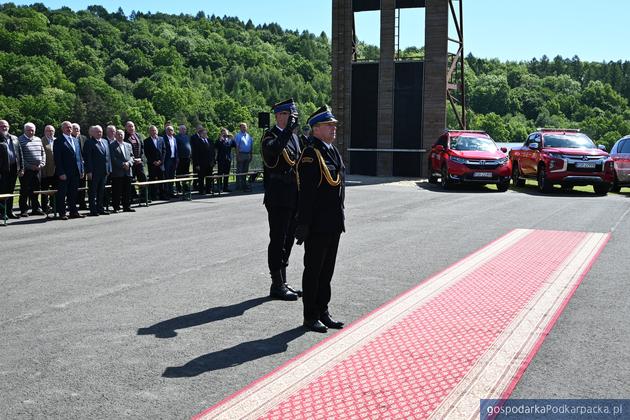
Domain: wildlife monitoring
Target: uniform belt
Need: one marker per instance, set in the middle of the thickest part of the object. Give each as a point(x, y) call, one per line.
point(282, 176)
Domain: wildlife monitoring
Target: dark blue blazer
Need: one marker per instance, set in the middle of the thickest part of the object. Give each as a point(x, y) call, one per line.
point(68, 162)
point(97, 157)
point(154, 154)
point(167, 147)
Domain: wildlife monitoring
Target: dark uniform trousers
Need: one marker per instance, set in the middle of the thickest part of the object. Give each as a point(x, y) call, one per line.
point(281, 236)
point(321, 209)
point(280, 195)
point(320, 254)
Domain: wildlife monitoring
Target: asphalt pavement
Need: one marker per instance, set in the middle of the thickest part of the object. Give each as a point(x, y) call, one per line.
point(163, 312)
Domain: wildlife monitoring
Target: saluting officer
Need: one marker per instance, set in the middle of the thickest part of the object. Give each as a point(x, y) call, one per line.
point(280, 151)
point(320, 218)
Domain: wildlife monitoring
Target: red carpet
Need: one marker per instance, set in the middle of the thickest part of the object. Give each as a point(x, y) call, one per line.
point(464, 334)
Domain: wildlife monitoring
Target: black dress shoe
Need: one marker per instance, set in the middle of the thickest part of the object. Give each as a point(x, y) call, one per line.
point(77, 216)
point(315, 325)
point(37, 212)
point(115, 211)
point(13, 216)
point(281, 292)
point(129, 210)
point(103, 213)
point(294, 290)
point(24, 214)
point(91, 214)
point(327, 320)
point(64, 217)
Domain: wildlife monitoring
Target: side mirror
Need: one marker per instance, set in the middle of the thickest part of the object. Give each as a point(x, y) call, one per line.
point(504, 149)
point(533, 146)
point(601, 147)
point(439, 148)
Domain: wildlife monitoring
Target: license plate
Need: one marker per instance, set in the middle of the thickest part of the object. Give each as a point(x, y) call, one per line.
point(586, 165)
point(482, 174)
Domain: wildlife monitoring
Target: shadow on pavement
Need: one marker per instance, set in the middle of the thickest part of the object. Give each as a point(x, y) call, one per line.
point(234, 356)
point(31, 220)
point(166, 329)
point(456, 188)
point(556, 192)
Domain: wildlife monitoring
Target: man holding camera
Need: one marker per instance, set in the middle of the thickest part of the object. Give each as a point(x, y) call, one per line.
point(280, 149)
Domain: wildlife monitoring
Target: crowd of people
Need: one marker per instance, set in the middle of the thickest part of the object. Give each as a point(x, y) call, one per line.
point(304, 178)
point(69, 160)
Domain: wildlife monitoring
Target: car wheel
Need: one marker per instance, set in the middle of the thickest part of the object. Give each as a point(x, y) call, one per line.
point(543, 183)
point(567, 188)
point(432, 178)
point(444, 181)
point(601, 189)
point(615, 186)
point(516, 180)
point(503, 185)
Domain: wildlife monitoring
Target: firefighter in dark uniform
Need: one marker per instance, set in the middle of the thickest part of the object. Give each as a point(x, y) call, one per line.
point(320, 218)
point(280, 150)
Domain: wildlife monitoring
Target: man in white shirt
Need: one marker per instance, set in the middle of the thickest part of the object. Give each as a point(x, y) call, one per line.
point(155, 151)
point(170, 159)
point(69, 171)
point(244, 148)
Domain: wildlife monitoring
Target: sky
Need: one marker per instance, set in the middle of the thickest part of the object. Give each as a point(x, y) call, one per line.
point(504, 29)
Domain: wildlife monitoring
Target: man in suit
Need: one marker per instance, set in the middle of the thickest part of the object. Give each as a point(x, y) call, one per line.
point(320, 218)
point(69, 171)
point(203, 159)
point(97, 169)
point(49, 181)
point(122, 162)
point(170, 159)
point(184, 152)
point(12, 167)
point(155, 151)
point(194, 139)
point(76, 133)
point(281, 151)
point(224, 145)
point(137, 145)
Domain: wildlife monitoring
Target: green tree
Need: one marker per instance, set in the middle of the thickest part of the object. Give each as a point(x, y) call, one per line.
point(494, 125)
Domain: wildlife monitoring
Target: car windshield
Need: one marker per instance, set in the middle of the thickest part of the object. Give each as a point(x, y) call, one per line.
point(465, 143)
point(569, 141)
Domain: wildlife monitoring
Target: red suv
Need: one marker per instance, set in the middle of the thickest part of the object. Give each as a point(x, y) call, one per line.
point(620, 154)
point(466, 156)
point(562, 156)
